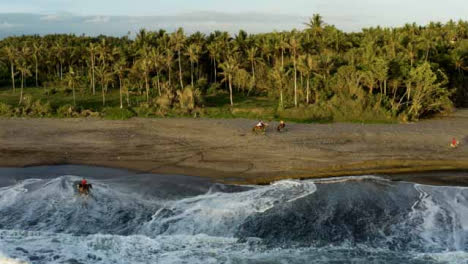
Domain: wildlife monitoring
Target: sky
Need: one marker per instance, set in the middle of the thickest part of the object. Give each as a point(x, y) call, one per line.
point(120, 16)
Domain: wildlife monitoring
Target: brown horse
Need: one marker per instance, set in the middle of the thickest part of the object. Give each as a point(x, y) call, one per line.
point(281, 127)
point(83, 189)
point(260, 129)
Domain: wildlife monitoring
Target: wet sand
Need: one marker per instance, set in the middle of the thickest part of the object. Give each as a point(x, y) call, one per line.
point(226, 150)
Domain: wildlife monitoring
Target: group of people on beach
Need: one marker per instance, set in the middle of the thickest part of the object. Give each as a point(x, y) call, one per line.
point(261, 126)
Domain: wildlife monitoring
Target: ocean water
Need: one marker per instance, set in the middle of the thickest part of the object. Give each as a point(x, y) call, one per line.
point(139, 218)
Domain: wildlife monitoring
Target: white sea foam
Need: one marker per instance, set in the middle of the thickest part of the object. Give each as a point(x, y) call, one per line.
point(202, 229)
point(221, 213)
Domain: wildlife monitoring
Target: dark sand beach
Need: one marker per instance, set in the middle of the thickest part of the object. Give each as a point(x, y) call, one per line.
point(226, 150)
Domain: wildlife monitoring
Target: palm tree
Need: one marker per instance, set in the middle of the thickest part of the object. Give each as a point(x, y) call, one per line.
point(59, 51)
point(72, 78)
point(158, 62)
point(294, 47)
point(306, 66)
point(12, 54)
point(25, 70)
point(229, 67)
point(37, 48)
point(145, 65)
point(283, 45)
point(315, 25)
point(193, 53)
point(120, 68)
point(278, 75)
point(105, 77)
point(168, 59)
point(178, 41)
point(252, 57)
point(92, 49)
point(214, 53)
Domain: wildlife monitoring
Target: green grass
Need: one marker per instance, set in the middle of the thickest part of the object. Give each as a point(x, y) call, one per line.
point(215, 106)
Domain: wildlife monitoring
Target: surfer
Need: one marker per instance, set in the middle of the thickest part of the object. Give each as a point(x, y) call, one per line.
point(84, 187)
point(454, 143)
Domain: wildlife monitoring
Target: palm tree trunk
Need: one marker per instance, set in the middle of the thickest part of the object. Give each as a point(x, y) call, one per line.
point(169, 69)
point(13, 77)
point(128, 98)
point(103, 95)
point(147, 88)
point(230, 90)
point(253, 70)
point(295, 82)
point(180, 71)
point(282, 58)
point(93, 80)
point(120, 90)
point(61, 71)
point(159, 85)
point(307, 89)
point(37, 85)
point(281, 98)
point(316, 94)
point(191, 69)
point(385, 87)
point(215, 73)
point(21, 93)
point(74, 98)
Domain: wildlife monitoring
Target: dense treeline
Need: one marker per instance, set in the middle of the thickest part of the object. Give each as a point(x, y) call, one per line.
point(407, 72)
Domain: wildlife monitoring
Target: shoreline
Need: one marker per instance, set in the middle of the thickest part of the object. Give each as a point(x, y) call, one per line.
point(226, 151)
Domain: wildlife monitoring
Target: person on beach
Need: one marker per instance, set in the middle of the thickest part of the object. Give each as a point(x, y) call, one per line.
point(454, 143)
point(260, 124)
point(281, 126)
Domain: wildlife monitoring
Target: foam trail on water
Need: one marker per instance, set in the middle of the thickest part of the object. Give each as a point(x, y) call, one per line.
point(221, 213)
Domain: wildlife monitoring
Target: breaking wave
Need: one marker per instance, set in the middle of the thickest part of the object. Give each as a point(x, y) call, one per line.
point(354, 219)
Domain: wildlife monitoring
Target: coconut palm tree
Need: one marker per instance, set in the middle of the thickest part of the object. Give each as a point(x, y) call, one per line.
point(214, 52)
point(229, 69)
point(193, 53)
point(24, 68)
point(12, 54)
point(279, 77)
point(59, 50)
point(92, 50)
point(145, 65)
point(294, 48)
point(253, 59)
point(120, 68)
point(105, 76)
point(315, 25)
point(306, 66)
point(178, 42)
point(37, 49)
point(168, 60)
point(157, 58)
point(72, 79)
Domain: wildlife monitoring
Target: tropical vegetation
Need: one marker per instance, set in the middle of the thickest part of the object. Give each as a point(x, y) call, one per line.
point(317, 74)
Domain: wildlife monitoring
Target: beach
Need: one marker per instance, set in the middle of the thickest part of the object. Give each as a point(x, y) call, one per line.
point(226, 150)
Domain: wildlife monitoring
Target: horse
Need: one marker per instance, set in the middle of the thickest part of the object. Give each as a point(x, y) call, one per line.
point(281, 127)
point(259, 129)
point(84, 189)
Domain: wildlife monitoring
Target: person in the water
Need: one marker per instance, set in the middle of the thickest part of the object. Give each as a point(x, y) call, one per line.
point(454, 143)
point(84, 187)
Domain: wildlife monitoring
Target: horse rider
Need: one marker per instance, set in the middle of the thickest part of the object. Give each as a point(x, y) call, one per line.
point(281, 126)
point(260, 124)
